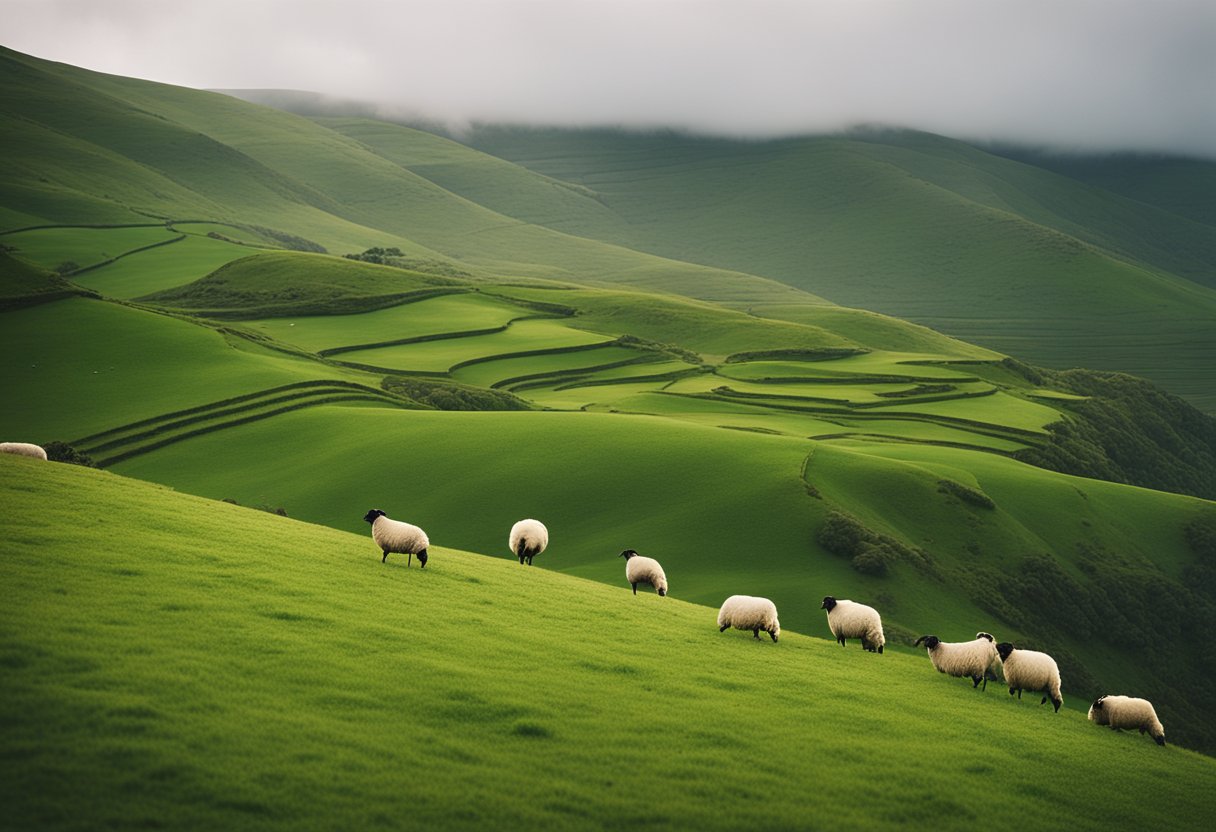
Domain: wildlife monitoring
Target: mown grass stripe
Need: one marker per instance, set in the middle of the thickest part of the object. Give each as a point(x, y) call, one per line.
point(335, 306)
point(578, 372)
point(256, 417)
point(85, 440)
point(219, 414)
point(531, 353)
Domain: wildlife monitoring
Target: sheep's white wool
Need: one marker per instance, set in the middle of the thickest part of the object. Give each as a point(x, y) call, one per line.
point(1035, 671)
point(849, 619)
point(1128, 712)
point(643, 570)
point(395, 536)
point(23, 449)
point(532, 534)
point(963, 658)
point(747, 612)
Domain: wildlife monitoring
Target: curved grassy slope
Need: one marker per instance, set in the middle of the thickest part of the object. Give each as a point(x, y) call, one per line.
point(257, 671)
point(112, 364)
point(995, 252)
point(164, 267)
point(724, 510)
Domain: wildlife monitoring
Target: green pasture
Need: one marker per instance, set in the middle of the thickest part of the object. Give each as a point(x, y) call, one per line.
point(164, 267)
point(439, 356)
point(432, 316)
point(52, 247)
point(490, 373)
point(113, 364)
point(204, 665)
point(999, 409)
point(283, 281)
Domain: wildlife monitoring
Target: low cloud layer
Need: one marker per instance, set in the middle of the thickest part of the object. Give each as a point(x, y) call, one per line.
point(1085, 74)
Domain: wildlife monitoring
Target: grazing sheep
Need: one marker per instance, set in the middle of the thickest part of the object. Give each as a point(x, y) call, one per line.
point(644, 570)
point(23, 449)
point(848, 619)
point(964, 658)
point(528, 539)
point(395, 536)
point(1127, 712)
point(1030, 670)
point(747, 612)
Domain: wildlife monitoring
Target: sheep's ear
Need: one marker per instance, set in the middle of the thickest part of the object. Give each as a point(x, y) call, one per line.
point(918, 642)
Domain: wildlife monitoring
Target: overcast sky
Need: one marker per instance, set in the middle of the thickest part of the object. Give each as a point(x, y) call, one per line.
point(1104, 74)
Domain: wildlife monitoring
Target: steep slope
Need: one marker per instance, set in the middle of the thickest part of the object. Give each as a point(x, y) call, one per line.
point(202, 665)
point(995, 252)
point(113, 142)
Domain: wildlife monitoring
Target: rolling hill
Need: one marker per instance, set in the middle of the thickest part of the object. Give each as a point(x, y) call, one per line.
point(522, 347)
point(203, 665)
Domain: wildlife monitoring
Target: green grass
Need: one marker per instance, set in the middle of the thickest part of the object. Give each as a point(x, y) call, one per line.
point(164, 267)
point(50, 247)
point(191, 669)
point(126, 364)
point(439, 356)
point(449, 313)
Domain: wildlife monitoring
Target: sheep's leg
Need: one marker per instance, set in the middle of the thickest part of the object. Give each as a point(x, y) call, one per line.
point(521, 560)
point(383, 559)
point(1012, 691)
point(635, 588)
point(756, 634)
point(840, 640)
point(975, 682)
point(409, 559)
point(530, 560)
point(985, 687)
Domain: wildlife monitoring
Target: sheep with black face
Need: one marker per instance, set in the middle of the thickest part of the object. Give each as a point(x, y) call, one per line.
point(395, 536)
point(1031, 670)
point(963, 658)
point(1128, 712)
point(849, 619)
point(643, 570)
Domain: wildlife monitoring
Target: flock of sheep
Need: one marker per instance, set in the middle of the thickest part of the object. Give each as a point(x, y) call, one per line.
point(977, 660)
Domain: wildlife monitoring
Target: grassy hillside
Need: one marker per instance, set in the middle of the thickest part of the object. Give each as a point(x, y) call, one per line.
point(992, 251)
point(203, 665)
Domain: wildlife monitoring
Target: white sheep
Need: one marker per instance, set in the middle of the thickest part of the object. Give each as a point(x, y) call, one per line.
point(747, 612)
point(644, 570)
point(849, 619)
point(962, 658)
point(1030, 670)
point(395, 536)
point(23, 449)
point(528, 539)
point(1127, 712)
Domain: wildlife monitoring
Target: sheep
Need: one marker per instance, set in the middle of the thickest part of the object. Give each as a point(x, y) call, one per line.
point(964, 658)
point(23, 449)
point(395, 536)
point(528, 539)
point(1030, 670)
point(644, 570)
point(848, 619)
point(746, 612)
point(1127, 712)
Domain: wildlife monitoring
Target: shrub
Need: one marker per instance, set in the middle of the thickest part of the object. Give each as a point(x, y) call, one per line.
point(57, 451)
point(968, 495)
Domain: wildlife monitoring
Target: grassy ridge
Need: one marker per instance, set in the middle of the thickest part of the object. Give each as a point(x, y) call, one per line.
point(607, 482)
point(193, 669)
point(995, 252)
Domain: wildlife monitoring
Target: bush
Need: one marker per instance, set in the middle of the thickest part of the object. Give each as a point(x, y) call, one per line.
point(968, 495)
point(451, 396)
point(870, 552)
point(63, 452)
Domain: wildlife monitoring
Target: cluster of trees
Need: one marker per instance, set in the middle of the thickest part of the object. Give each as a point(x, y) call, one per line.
point(1127, 431)
point(869, 552)
point(450, 396)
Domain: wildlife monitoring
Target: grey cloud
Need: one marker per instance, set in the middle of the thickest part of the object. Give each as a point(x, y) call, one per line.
point(1102, 74)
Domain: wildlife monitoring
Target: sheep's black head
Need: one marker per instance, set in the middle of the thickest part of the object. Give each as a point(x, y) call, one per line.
point(1004, 649)
point(1097, 706)
point(627, 554)
point(371, 516)
point(422, 558)
point(985, 635)
point(829, 603)
point(929, 641)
